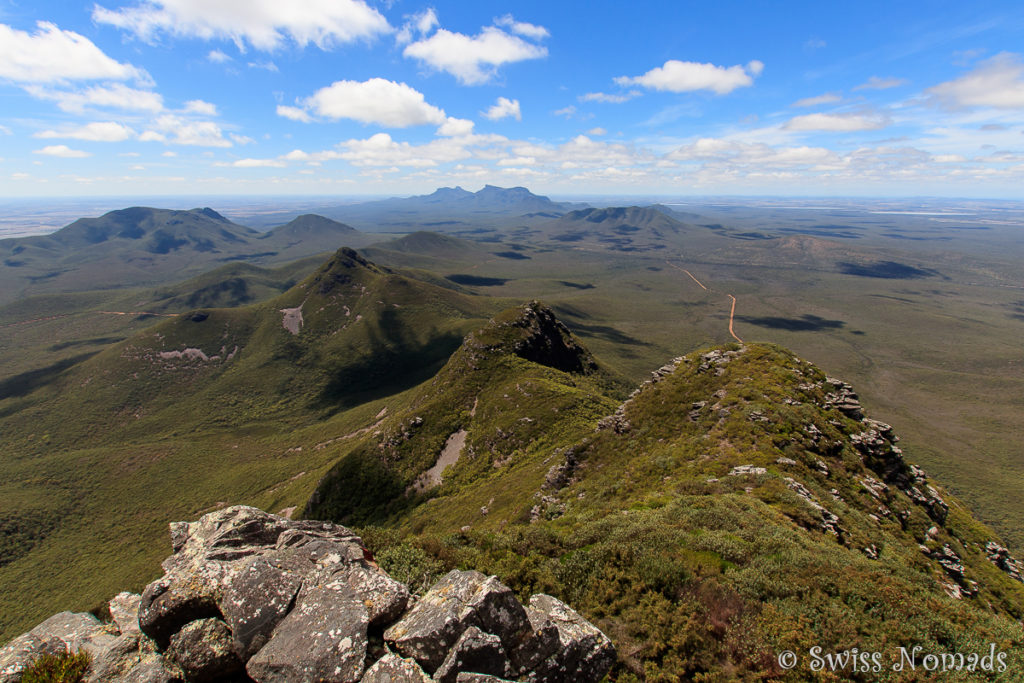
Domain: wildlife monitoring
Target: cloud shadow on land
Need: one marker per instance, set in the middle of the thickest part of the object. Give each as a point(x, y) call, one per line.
point(890, 270)
point(806, 323)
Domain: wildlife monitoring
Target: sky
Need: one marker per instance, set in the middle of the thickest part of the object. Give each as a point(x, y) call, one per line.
point(363, 97)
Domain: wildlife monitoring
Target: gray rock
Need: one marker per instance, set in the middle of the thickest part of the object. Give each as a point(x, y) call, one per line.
point(77, 632)
point(131, 658)
point(585, 654)
point(23, 650)
point(467, 677)
point(170, 602)
point(384, 598)
point(476, 652)
point(394, 669)
point(205, 651)
point(124, 611)
point(256, 599)
point(322, 638)
point(453, 604)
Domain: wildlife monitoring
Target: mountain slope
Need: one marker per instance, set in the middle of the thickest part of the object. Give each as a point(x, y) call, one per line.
point(737, 505)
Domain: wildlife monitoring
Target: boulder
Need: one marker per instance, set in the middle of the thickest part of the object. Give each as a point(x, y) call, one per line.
point(459, 600)
point(394, 669)
point(476, 652)
point(205, 651)
point(256, 599)
point(584, 655)
point(322, 638)
point(124, 612)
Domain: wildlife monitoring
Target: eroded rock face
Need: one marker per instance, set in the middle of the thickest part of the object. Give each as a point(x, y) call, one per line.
point(252, 596)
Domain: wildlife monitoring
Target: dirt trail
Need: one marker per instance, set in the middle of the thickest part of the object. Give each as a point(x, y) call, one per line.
point(732, 310)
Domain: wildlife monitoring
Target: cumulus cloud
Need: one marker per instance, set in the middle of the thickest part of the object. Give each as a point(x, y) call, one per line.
point(51, 55)
point(878, 83)
point(840, 123)
point(996, 82)
point(567, 112)
point(382, 150)
point(62, 151)
point(378, 101)
point(200, 107)
point(503, 109)
point(263, 24)
point(97, 131)
point(827, 98)
point(293, 113)
point(473, 59)
point(597, 131)
point(455, 127)
point(605, 97)
point(217, 57)
point(180, 131)
point(677, 76)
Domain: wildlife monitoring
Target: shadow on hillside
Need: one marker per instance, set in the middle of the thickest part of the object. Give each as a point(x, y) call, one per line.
point(394, 361)
point(27, 382)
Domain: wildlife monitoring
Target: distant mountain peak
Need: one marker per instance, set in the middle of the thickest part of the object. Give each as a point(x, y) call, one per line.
point(210, 213)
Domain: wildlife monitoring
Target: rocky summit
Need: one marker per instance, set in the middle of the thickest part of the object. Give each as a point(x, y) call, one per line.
point(251, 596)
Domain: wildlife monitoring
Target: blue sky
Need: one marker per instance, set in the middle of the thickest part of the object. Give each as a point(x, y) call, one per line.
point(362, 97)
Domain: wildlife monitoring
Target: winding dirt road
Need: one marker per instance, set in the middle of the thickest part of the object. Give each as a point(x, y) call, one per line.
point(732, 310)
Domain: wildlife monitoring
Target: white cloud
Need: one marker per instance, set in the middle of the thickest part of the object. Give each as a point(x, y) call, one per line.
point(605, 97)
point(4, 130)
point(597, 131)
point(200, 107)
point(97, 131)
point(456, 127)
point(522, 28)
point(112, 96)
point(265, 65)
point(827, 98)
point(381, 150)
point(473, 59)
point(997, 82)
point(293, 113)
point(169, 154)
point(421, 23)
point(51, 55)
point(180, 131)
point(241, 139)
point(842, 123)
point(218, 57)
point(878, 83)
point(259, 163)
point(567, 112)
point(62, 151)
point(504, 108)
point(263, 24)
point(677, 76)
point(377, 101)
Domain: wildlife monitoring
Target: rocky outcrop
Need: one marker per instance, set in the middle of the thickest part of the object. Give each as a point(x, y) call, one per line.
point(251, 596)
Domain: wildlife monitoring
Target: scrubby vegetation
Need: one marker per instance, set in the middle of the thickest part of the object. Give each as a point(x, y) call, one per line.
point(65, 668)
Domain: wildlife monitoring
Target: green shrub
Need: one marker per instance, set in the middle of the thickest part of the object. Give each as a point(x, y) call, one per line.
point(64, 668)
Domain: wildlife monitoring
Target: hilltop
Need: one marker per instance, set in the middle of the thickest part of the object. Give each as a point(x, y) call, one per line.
point(148, 246)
